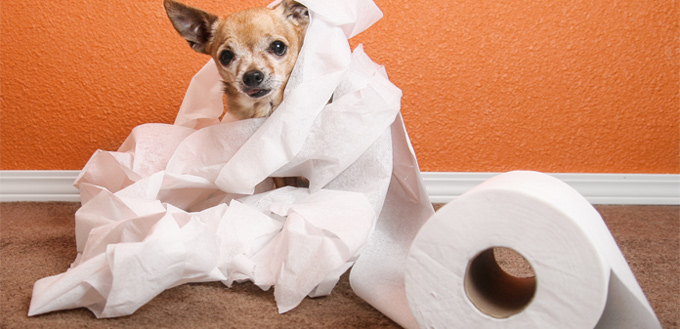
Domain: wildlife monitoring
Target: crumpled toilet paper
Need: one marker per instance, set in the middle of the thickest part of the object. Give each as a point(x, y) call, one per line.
point(194, 201)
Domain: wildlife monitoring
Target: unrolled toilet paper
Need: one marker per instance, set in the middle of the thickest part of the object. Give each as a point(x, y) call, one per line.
point(581, 277)
point(195, 201)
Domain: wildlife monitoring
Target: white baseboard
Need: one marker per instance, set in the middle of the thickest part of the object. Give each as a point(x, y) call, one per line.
point(38, 185)
point(442, 187)
point(638, 189)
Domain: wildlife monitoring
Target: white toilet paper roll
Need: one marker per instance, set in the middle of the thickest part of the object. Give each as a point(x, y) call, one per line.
point(581, 278)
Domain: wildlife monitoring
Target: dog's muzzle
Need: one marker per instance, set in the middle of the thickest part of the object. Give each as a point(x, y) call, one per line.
point(253, 81)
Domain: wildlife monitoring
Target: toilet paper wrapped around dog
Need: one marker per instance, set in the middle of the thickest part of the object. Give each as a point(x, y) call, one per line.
point(194, 201)
point(581, 277)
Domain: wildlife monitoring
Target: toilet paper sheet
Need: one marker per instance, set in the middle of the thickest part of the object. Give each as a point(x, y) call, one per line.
point(194, 201)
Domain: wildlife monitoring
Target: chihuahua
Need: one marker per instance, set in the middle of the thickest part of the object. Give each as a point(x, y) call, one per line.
point(254, 49)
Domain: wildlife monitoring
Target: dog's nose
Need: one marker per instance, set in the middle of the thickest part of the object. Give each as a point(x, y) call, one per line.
point(253, 78)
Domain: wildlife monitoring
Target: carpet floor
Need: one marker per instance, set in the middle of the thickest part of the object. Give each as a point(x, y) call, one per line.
point(37, 240)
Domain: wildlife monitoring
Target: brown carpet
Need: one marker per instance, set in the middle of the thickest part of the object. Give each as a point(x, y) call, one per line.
point(37, 240)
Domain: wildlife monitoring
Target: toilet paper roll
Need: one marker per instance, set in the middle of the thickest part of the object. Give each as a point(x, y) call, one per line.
point(581, 279)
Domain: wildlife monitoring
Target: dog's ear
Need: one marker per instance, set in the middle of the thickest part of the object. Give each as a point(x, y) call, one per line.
point(195, 25)
point(295, 12)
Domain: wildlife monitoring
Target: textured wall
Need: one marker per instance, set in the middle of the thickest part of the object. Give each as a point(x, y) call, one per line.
point(556, 86)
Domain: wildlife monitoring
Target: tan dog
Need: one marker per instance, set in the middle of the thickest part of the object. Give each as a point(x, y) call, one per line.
point(254, 49)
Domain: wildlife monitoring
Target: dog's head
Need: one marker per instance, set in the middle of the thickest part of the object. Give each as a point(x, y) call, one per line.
point(254, 49)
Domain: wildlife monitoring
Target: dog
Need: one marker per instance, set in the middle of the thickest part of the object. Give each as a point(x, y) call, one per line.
point(254, 49)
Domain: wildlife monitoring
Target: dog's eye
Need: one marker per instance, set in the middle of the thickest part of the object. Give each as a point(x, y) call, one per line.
point(279, 48)
point(226, 56)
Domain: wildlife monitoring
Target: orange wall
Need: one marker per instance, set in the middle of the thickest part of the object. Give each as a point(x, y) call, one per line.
point(555, 86)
